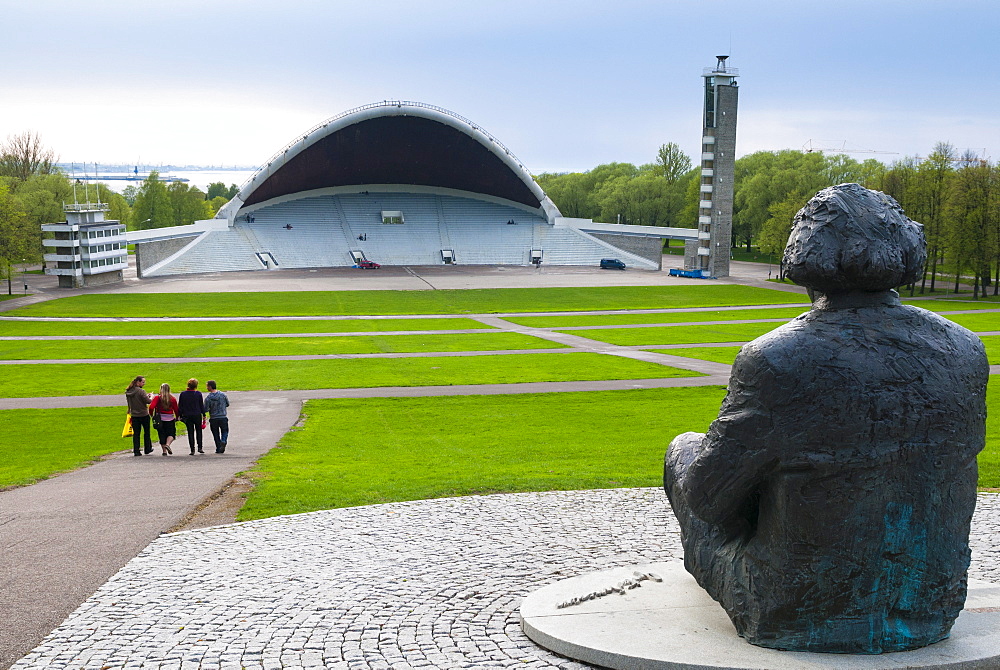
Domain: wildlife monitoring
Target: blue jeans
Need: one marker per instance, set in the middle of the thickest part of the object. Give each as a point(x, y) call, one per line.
point(220, 432)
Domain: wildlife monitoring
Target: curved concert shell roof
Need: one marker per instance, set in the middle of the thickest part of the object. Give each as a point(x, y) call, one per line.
point(399, 144)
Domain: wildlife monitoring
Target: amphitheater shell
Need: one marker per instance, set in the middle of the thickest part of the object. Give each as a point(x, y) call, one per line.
point(397, 183)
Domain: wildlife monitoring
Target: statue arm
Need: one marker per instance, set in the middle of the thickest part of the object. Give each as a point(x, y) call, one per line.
point(740, 449)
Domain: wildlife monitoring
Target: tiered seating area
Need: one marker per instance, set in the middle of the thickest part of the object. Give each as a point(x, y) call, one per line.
point(568, 246)
point(323, 231)
point(479, 232)
point(216, 251)
point(417, 241)
point(315, 239)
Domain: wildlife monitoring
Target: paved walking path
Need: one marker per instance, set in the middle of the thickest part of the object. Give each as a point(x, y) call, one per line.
point(61, 538)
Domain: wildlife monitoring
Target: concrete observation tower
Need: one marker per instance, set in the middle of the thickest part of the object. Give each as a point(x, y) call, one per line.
point(718, 155)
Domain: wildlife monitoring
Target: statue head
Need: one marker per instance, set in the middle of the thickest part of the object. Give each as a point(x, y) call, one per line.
point(850, 238)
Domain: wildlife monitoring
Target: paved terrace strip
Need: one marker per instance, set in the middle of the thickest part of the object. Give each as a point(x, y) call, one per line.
point(424, 584)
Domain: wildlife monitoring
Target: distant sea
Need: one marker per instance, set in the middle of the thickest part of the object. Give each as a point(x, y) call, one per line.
point(196, 178)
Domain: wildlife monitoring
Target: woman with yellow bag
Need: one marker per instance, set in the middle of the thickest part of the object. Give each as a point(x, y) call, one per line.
point(138, 411)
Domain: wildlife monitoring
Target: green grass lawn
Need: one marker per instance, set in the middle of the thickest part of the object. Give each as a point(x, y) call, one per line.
point(989, 458)
point(951, 304)
point(977, 323)
point(12, 328)
point(459, 301)
point(570, 320)
point(410, 450)
point(56, 379)
point(724, 355)
point(739, 332)
point(992, 343)
point(269, 346)
point(507, 444)
point(728, 354)
point(37, 443)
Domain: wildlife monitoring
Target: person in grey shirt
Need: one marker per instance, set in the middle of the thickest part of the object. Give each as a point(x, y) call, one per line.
point(216, 403)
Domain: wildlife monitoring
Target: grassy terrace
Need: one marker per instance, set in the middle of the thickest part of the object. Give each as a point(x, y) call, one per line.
point(11, 328)
point(56, 379)
point(978, 323)
point(740, 332)
point(952, 304)
point(510, 443)
point(412, 449)
point(468, 301)
point(72, 438)
point(724, 355)
point(572, 320)
point(268, 346)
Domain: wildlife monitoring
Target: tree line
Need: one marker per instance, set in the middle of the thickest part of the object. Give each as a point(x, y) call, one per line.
point(956, 198)
point(34, 191)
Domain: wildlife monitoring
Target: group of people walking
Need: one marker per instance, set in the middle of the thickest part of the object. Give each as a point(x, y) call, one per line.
point(164, 410)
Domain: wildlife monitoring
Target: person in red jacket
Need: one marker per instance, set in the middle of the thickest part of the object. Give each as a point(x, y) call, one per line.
point(164, 411)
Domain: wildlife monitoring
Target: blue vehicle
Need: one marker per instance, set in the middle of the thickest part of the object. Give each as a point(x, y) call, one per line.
point(691, 274)
point(612, 264)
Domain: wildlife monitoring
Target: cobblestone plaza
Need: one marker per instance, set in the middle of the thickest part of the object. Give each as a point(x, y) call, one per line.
point(425, 584)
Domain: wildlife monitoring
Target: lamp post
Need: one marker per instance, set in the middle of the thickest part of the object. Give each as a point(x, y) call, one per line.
point(24, 275)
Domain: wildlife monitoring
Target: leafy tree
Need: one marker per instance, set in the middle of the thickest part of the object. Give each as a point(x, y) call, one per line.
point(652, 195)
point(23, 156)
point(972, 221)
point(692, 196)
point(215, 204)
point(17, 236)
point(41, 198)
point(775, 231)
point(568, 191)
point(595, 179)
point(153, 207)
point(922, 189)
point(928, 203)
point(119, 209)
point(640, 200)
point(215, 190)
point(768, 177)
point(188, 203)
point(218, 189)
point(130, 193)
point(672, 163)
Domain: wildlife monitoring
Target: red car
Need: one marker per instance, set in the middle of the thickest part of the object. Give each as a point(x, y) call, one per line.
point(368, 265)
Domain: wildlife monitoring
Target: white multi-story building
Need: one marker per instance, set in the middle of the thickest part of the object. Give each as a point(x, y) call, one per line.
point(86, 250)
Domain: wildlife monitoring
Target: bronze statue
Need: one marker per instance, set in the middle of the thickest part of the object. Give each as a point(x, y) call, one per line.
point(827, 509)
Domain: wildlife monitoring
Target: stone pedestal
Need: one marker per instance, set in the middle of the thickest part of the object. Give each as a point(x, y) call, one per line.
point(656, 616)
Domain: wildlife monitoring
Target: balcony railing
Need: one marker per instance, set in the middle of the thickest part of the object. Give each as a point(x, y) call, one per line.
point(728, 71)
point(87, 207)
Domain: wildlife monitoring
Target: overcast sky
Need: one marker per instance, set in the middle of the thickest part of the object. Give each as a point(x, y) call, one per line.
point(566, 85)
